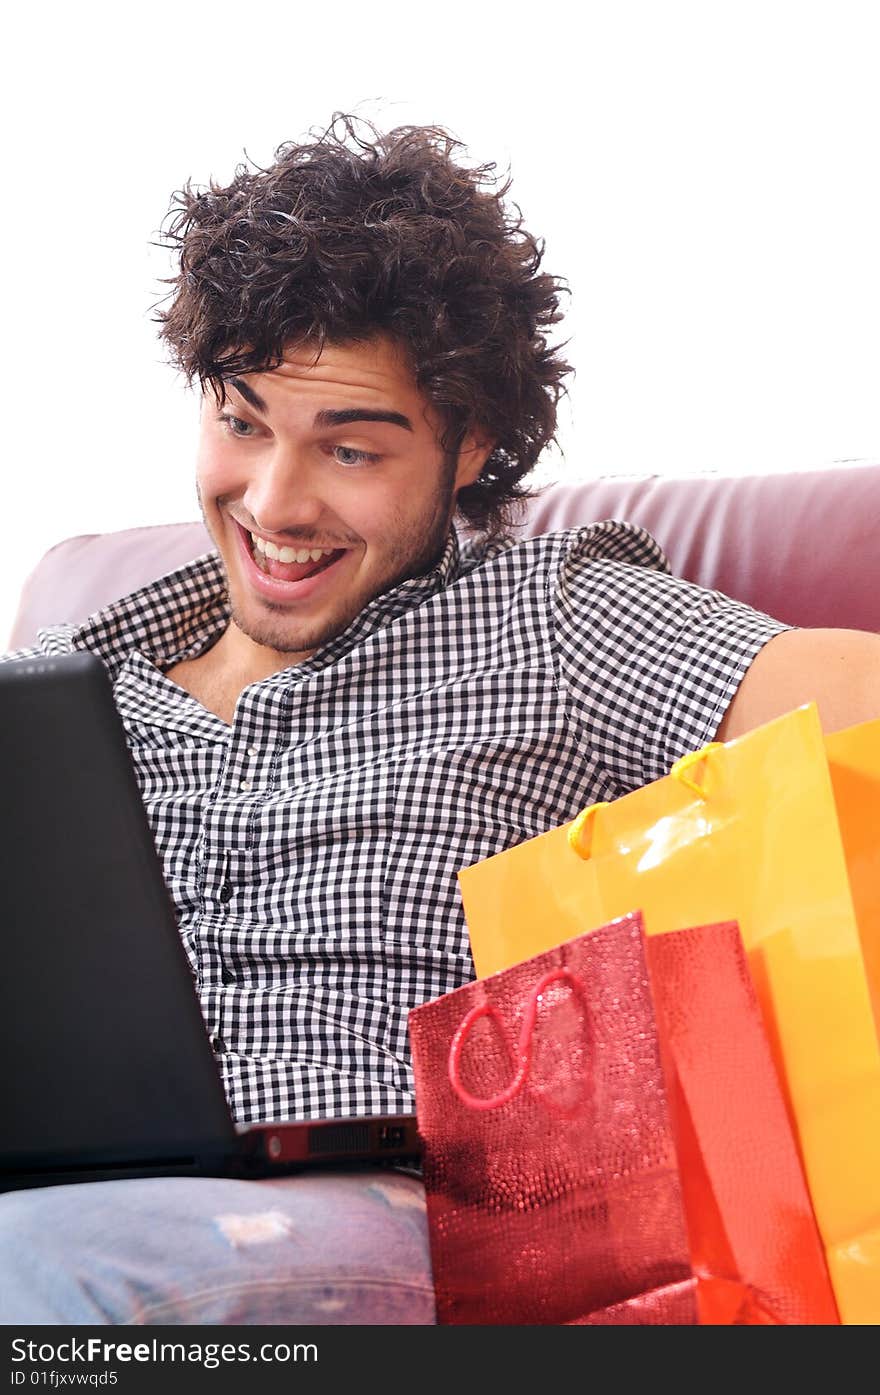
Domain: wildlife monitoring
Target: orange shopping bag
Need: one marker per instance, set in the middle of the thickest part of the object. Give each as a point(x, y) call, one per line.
point(854, 761)
point(748, 831)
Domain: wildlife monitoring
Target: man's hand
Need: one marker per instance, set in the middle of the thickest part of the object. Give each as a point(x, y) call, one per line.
point(839, 670)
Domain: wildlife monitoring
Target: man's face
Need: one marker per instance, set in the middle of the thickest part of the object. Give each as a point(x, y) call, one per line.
point(338, 458)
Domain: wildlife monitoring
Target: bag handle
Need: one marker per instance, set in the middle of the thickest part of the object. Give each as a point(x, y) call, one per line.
point(524, 1053)
point(681, 767)
point(580, 832)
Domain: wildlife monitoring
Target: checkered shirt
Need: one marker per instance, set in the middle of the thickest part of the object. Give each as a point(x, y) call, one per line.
point(311, 849)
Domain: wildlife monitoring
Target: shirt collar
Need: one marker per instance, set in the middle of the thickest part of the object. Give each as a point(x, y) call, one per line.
point(182, 614)
point(168, 620)
point(383, 609)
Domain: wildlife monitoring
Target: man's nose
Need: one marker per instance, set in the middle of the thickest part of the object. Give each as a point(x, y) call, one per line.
point(282, 495)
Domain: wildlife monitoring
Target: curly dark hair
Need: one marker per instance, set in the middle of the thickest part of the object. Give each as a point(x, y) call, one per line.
point(358, 233)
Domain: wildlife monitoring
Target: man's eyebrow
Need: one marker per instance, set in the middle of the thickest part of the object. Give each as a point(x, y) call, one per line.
point(341, 417)
point(350, 414)
point(252, 398)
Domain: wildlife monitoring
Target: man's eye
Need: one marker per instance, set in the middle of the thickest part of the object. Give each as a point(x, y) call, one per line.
point(347, 455)
point(236, 426)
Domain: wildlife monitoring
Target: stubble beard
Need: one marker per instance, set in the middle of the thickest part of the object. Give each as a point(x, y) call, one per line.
point(404, 563)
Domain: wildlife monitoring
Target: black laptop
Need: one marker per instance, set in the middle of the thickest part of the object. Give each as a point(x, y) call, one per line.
point(107, 1070)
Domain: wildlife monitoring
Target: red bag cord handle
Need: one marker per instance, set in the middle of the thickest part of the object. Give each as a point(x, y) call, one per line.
point(525, 1041)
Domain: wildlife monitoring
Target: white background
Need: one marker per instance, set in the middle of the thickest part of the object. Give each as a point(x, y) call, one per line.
point(705, 175)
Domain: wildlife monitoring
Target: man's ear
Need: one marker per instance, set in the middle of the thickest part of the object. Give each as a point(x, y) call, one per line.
point(473, 453)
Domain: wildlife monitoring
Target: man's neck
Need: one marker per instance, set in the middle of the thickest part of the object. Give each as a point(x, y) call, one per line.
point(218, 677)
point(238, 658)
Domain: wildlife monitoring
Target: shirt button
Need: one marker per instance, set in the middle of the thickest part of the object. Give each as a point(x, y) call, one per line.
point(253, 750)
point(218, 1044)
point(227, 976)
point(226, 892)
point(245, 785)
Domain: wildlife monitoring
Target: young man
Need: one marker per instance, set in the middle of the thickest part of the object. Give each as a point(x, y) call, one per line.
point(353, 699)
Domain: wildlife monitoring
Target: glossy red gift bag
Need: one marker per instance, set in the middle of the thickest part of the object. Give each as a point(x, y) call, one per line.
point(606, 1141)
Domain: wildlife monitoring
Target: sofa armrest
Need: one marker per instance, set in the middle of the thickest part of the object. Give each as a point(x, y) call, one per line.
point(802, 546)
point(81, 575)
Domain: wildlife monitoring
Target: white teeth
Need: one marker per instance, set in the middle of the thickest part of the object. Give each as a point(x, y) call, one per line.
point(290, 554)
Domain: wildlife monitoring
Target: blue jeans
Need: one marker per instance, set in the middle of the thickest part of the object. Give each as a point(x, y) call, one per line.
point(313, 1249)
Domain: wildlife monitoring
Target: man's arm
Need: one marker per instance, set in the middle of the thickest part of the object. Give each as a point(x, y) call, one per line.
point(839, 670)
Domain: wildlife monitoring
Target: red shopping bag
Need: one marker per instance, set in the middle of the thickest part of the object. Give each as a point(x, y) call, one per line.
point(605, 1141)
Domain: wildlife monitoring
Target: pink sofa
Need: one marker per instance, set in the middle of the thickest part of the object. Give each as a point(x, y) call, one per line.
point(803, 546)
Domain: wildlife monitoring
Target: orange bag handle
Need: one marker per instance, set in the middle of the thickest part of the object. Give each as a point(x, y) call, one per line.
point(580, 833)
point(524, 1052)
point(682, 766)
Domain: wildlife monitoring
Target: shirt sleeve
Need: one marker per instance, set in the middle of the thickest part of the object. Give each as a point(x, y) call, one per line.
point(54, 639)
point(34, 653)
point(649, 663)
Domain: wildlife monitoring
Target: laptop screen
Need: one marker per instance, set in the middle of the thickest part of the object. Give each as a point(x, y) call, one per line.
point(104, 1046)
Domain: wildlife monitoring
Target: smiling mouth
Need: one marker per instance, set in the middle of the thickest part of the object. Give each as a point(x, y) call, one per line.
point(289, 563)
point(293, 571)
